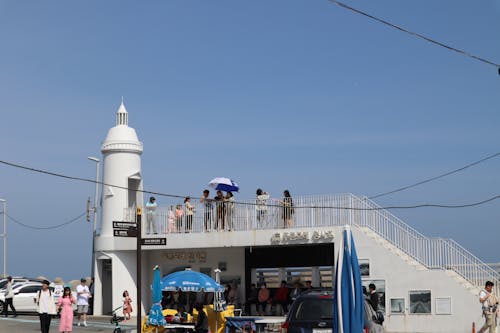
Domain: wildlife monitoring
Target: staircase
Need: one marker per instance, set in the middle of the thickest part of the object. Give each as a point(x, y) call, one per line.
point(421, 251)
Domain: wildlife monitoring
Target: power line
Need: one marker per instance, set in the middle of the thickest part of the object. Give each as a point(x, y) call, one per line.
point(436, 177)
point(46, 227)
point(473, 204)
point(430, 40)
point(60, 175)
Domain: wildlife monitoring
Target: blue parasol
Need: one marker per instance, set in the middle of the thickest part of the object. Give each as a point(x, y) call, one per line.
point(224, 184)
point(348, 307)
point(189, 280)
point(155, 317)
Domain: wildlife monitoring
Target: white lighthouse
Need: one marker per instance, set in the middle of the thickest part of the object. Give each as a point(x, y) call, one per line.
point(121, 152)
point(115, 264)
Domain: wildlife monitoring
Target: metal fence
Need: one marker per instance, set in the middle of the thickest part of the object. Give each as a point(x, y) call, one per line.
point(317, 211)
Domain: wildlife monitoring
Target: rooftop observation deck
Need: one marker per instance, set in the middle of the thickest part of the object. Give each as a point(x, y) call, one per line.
point(308, 213)
point(218, 216)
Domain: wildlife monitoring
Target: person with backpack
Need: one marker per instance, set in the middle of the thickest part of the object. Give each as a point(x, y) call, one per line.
point(489, 305)
point(46, 306)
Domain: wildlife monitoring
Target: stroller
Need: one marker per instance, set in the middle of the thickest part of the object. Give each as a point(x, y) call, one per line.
point(115, 319)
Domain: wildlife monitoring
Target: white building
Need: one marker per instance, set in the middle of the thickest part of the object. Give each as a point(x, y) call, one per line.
point(426, 284)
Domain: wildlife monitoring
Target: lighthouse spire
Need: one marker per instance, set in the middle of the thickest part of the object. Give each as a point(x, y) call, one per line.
point(122, 115)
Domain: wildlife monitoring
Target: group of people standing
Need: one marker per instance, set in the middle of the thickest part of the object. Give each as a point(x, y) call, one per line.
point(260, 300)
point(218, 212)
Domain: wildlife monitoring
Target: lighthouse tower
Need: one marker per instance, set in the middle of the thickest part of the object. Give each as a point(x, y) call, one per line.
point(121, 152)
point(114, 257)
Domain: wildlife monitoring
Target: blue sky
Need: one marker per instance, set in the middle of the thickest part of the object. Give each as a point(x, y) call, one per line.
point(302, 95)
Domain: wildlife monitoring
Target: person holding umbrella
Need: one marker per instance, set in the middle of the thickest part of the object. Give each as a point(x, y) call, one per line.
point(220, 209)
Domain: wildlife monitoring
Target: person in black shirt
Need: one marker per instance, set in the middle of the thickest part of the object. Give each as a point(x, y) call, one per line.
point(374, 299)
point(202, 320)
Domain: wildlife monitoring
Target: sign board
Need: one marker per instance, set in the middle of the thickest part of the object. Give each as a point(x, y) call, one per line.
point(124, 225)
point(154, 241)
point(131, 232)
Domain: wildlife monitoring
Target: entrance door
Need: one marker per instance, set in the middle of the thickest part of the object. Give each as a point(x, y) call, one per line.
point(133, 195)
point(107, 287)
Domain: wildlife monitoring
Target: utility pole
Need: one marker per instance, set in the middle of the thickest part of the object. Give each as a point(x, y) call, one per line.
point(4, 202)
point(139, 268)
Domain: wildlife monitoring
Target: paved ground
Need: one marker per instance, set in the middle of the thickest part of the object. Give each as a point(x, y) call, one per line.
point(30, 323)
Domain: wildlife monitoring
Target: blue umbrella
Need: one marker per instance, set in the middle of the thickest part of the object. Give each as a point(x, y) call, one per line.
point(155, 317)
point(224, 184)
point(189, 280)
point(348, 307)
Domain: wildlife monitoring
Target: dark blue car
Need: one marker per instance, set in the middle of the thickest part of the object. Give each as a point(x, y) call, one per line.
point(312, 312)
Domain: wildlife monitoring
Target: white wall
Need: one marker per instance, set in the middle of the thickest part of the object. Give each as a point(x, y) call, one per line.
point(401, 277)
point(233, 257)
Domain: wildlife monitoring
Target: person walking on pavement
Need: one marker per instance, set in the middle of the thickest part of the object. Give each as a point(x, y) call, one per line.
point(82, 301)
point(46, 306)
point(9, 298)
point(65, 303)
point(489, 303)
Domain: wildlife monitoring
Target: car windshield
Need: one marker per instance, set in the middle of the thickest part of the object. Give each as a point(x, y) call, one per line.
point(314, 309)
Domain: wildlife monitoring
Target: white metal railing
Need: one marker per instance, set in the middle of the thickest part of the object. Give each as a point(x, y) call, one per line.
point(434, 253)
point(319, 211)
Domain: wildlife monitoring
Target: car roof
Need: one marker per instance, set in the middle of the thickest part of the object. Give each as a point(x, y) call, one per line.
point(316, 293)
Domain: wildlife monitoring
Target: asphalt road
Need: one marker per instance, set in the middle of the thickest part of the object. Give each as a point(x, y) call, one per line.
point(30, 323)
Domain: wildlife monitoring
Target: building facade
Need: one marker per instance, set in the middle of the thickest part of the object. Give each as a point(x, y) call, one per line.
point(425, 284)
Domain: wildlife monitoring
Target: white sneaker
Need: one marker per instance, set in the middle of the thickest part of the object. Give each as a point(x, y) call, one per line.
point(85, 324)
point(78, 324)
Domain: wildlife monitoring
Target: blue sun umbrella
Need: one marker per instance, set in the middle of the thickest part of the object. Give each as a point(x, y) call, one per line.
point(189, 280)
point(155, 317)
point(224, 184)
point(348, 307)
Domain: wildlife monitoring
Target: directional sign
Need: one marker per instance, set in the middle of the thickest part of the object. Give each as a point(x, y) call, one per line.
point(154, 241)
point(132, 232)
point(124, 225)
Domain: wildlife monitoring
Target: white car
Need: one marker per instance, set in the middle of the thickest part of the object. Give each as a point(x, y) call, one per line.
point(24, 296)
point(17, 280)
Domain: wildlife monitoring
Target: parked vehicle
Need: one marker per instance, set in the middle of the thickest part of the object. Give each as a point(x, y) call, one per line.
point(17, 280)
point(24, 296)
point(312, 312)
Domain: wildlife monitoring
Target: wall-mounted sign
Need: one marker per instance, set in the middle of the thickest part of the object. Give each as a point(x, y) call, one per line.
point(302, 237)
point(154, 241)
point(189, 256)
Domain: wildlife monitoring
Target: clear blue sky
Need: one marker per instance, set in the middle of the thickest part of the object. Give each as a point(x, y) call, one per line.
point(302, 95)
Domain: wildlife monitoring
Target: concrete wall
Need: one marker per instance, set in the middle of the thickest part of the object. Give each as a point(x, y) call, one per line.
point(401, 276)
point(170, 260)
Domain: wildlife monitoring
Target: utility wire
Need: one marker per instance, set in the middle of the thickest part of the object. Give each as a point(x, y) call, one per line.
point(86, 180)
point(430, 40)
point(47, 227)
point(437, 177)
point(279, 204)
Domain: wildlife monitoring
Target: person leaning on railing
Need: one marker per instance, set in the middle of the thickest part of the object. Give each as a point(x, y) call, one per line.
point(189, 214)
point(261, 206)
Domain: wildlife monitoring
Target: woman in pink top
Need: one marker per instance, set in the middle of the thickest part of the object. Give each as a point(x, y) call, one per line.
point(66, 304)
